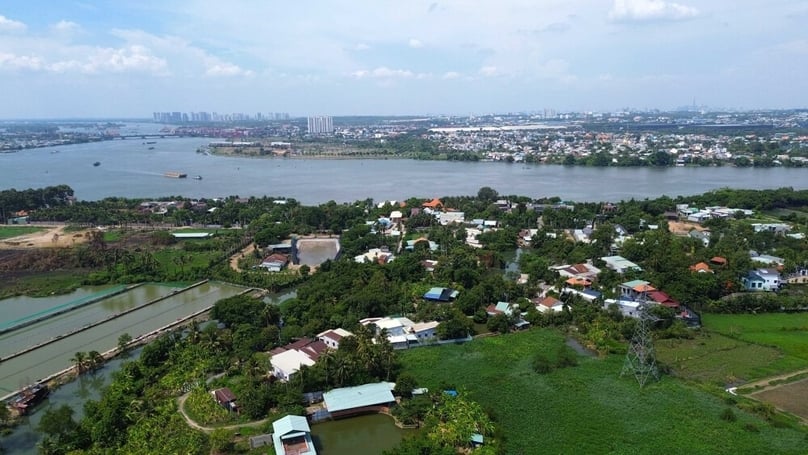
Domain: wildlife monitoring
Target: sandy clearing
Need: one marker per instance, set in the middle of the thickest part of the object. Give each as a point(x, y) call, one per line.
point(51, 237)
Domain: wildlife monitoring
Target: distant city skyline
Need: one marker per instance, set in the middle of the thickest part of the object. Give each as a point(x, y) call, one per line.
point(128, 59)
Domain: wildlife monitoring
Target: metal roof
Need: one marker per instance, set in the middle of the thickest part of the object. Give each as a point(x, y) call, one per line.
point(359, 396)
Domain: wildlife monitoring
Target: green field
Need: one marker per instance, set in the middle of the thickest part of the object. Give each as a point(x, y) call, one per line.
point(7, 232)
point(590, 408)
point(785, 331)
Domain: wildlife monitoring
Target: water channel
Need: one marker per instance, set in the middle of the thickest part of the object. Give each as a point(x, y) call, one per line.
point(24, 438)
point(54, 357)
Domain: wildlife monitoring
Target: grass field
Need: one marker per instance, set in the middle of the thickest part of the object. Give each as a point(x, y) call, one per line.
point(720, 360)
point(785, 331)
point(590, 408)
point(7, 232)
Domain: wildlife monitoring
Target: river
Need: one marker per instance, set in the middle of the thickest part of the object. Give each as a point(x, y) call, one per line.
point(129, 169)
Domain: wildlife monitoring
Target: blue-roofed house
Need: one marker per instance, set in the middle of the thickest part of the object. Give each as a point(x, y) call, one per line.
point(363, 399)
point(292, 436)
point(441, 295)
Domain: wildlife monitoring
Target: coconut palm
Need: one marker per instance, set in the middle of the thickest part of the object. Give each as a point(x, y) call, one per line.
point(79, 359)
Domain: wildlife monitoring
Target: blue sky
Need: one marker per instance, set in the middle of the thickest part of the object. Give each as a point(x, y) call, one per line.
point(342, 57)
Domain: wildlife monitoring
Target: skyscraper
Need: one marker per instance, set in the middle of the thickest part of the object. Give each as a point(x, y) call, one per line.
point(321, 125)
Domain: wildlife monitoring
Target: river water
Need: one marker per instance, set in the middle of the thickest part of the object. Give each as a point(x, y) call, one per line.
point(129, 169)
point(54, 357)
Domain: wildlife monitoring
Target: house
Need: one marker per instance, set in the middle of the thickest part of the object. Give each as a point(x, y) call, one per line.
point(548, 304)
point(375, 255)
point(662, 298)
point(402, 333)
point(766, 259)
point(719, 261)
point(589, 295)
point(501, 308)
point(287, 360)
point(583, 270)
point(275, 262)
point(395, 216)
point(446, 218)
point(411, 244)
point(701, 267)
point(701, 236)
point(434, 204)
point(635, 289)
point(363, 399)
point(798, 277)
point(225, 398)
point(628, 308)
point(287, 363)
point(620, 264)
point(762, 280)
point(332, 338)
point(291, 435)
point(776, 228)
point(441, 295)
point(429, 265)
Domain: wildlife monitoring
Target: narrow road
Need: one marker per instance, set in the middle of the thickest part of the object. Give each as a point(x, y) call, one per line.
point(244, 252)
point(196, 426)
point(765, 384)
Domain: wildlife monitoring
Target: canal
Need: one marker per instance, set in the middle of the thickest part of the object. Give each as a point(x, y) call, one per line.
point(24, 438)
point(37, 364)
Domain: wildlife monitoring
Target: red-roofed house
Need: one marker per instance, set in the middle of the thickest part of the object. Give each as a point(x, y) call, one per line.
point(275, 262)
point(225, 398)
point(548, 304)
point(332, 338)
point(434, 204)
point(701, 267)
point(663, 299)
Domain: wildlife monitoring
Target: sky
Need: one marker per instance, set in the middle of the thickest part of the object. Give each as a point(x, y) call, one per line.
point(129, 58)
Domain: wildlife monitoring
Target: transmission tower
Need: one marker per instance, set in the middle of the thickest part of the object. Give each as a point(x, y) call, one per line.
point(641, 358)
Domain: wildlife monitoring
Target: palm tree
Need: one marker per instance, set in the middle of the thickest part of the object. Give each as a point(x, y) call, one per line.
point(95, 359)
point(80, 360)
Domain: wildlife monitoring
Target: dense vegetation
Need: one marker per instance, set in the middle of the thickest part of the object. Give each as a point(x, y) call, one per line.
point(520, 380)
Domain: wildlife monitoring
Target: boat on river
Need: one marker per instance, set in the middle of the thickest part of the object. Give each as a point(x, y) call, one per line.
point(28, 397)
point(97, 163)
point(198, 177)
point(176, 175)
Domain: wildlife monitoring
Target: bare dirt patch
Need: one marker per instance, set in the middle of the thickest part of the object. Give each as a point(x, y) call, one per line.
point(684, 227)
point(791, 398)
point(51, 237)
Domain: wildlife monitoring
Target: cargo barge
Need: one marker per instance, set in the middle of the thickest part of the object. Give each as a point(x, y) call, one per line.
point(176, 175)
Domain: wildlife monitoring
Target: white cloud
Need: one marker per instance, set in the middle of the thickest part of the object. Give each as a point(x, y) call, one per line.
point(650, 10)
point(10, 25)
point(10, 61)
point(488, 71)
point(450, 75)
point(226, 69)
point(361, 47)
point(64, 26)
point(383, 72)
point(415, 43)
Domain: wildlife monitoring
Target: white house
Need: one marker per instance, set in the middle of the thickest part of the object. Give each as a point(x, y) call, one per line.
point(287, 363)
point(402, 333)
point(548, 304)
point(628, 308)
point(762, 280)
point(375, 255)
point(620, 264)
point(332, 338)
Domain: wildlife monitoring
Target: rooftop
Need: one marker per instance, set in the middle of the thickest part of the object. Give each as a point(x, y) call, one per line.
point(359, 396)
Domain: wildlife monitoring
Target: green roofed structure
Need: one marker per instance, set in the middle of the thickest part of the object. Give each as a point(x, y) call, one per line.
point(441, 295)
point(362, 399)
point(292, 436)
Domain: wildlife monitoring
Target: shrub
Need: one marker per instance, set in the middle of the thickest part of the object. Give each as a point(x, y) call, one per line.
point(567, 357)
point(541, 364)
point(728, 415)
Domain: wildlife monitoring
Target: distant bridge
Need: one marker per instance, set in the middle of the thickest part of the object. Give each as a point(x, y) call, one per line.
point(148, 136)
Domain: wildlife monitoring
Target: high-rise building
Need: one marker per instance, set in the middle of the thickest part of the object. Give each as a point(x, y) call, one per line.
point(321, 124)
